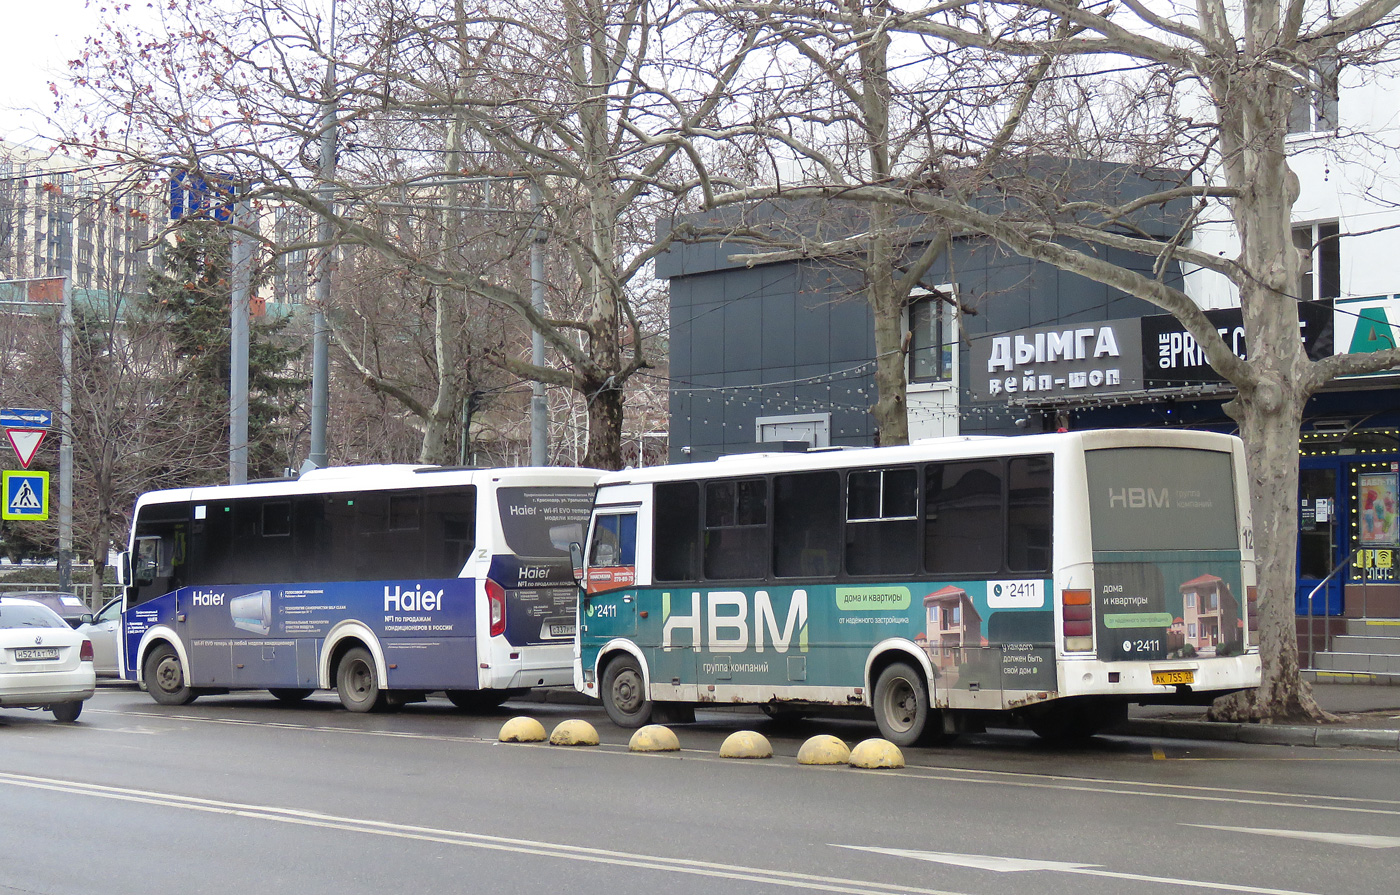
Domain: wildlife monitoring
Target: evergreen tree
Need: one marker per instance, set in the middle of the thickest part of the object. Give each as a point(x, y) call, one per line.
point(189, 290)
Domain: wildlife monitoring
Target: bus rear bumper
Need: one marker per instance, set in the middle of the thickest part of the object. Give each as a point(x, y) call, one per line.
point(1183, 681)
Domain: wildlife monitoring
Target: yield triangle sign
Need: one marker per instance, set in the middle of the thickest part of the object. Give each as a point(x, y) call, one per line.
point(26, 442)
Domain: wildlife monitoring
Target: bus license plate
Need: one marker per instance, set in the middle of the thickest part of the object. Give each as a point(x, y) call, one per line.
point(1173, 677)
point(561, 630)
point(31, 654)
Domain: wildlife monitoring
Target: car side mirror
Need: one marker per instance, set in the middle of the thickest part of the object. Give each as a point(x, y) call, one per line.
point(85, 619)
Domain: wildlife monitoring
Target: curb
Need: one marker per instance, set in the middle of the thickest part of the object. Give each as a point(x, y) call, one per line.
point(1263, 734)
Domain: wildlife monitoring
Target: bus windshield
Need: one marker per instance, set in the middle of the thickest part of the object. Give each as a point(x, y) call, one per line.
point(1154, 498)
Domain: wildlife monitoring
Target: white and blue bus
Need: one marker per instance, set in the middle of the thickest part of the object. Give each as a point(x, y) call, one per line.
point(384, 583)
point(1051, 579)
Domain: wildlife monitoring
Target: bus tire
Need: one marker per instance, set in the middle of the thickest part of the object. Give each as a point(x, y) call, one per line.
point(290, 694)
point(901, 705)
point(67, 712)
point(357, 682)
point(624, 693)
point(480, 700)
point(165, 678)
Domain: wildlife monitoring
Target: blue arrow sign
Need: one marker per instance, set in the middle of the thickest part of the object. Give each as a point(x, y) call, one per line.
point(19, 418)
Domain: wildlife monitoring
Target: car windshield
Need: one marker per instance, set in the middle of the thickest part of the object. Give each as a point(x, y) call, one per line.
point(18, 615)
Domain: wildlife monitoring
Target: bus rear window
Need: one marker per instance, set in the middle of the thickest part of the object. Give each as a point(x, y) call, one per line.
point(543, 521)
point(1161, 499)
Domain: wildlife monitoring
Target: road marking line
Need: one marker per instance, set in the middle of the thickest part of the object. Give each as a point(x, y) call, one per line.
point(1023, 779)
point(998, 864)
point(803, 881)
point(1360, 840)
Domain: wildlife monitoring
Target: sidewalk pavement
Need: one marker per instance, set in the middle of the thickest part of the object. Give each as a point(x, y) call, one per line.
point(1369, 718)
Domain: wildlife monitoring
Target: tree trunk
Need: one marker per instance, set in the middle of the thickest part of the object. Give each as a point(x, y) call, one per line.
point(604, 426)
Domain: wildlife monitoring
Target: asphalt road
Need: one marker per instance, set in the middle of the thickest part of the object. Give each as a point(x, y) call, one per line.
point(240, 794)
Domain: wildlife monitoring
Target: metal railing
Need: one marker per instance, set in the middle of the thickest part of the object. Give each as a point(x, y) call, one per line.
point(1312, 613)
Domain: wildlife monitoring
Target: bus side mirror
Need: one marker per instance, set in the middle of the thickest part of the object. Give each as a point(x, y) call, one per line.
point(124, 568)
point(576, 558)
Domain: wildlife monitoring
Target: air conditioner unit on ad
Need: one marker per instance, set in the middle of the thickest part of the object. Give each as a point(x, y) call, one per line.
point(252, 612)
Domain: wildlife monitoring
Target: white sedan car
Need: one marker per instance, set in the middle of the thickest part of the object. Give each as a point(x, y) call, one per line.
point(103, 631)
point(44, 664)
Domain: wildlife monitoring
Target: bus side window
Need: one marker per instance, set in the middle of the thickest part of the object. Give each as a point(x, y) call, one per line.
point(807, 525)
point(614, 541)
point(676, 531)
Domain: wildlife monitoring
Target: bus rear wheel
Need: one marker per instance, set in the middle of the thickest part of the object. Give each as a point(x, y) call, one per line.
point(357, 682)
point(901, 705)
point(164, 675)
point(624, 693)
point(291, 694)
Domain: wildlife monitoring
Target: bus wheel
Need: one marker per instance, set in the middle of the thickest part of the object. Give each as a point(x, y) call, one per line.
point(901, 705)
point(624, 693)
point(67, 712)
point(357, 682)
point(290, 694)
point(165, 677)
point(479, 700)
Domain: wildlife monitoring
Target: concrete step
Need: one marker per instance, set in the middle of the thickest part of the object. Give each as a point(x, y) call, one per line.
point(1374, 627)
point(1357, 662)
point(1356, 643)
point(1351, 677)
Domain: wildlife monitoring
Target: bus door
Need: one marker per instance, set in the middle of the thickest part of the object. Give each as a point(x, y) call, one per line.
point(610, 605)
point(1319, 537)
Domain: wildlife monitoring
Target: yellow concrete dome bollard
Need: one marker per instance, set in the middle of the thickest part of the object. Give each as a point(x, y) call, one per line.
point(876, 753)
point(654, 738)
point(745, 744)
point(824, 749)
point(522, 730)
point(574, 733)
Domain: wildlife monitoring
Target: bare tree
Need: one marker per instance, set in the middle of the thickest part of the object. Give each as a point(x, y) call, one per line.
point(562, 100)
point(1248, 59)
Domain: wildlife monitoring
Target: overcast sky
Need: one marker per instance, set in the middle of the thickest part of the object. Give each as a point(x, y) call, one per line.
point(42, 36)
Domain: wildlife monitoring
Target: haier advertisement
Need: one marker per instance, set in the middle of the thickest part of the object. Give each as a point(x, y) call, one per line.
point(418, 623)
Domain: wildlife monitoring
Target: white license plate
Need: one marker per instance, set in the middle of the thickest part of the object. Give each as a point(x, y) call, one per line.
point(32, 654)
point(561, 630)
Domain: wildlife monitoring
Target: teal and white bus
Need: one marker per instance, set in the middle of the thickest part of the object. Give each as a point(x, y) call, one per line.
point(1055, 578)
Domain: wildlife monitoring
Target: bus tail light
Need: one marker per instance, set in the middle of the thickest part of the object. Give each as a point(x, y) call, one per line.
point(85, 651)
point(496, 600)
point(1078, 620)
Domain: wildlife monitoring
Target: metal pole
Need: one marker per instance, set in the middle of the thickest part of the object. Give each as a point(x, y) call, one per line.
point(320, 332)
point(242, 259)
point(65, 448)
point(539, 402)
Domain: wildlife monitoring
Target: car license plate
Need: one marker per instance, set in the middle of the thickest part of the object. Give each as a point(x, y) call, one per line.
point(561, 630)
point(1173, 677)
point(31, 654)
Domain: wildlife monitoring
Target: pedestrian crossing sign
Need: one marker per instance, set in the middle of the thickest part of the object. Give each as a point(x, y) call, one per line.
point(26, 496)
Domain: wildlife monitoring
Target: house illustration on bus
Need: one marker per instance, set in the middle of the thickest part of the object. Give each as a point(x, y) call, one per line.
point(954, 626)
point(1211, 615)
